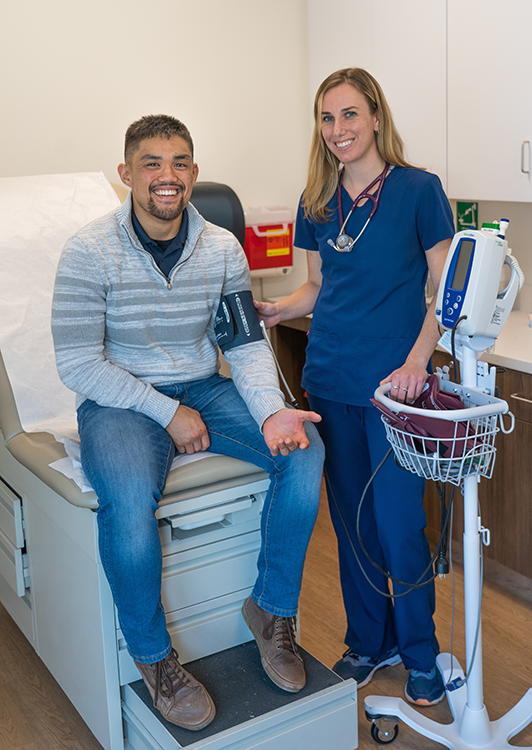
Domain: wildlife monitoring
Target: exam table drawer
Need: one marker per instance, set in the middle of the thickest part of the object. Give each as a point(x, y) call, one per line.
point(205, 574)
point(190, 578)
point(13, 560)
point(207, 516)
point(11, 523)
point(13, 566)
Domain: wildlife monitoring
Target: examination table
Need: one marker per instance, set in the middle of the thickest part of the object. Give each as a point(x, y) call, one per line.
point(53, 586)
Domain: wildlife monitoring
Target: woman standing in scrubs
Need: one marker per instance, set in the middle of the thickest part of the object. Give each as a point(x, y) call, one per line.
point(370, 325)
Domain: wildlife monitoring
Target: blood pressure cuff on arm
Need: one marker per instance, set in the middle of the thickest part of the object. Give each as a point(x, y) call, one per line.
point(236, 321)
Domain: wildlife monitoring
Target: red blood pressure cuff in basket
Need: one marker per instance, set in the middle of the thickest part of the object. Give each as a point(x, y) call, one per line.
point(449, 436)
point(236, 321)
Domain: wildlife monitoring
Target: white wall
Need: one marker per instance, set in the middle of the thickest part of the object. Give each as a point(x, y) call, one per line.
point(519, 236)
point(401, 43)
point(76, 73)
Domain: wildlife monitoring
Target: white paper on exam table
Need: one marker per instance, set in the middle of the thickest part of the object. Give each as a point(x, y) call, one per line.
point(71, 466)
point(37, 215)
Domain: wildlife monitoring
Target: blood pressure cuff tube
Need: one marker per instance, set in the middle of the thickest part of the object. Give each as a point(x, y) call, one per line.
point(236, 321)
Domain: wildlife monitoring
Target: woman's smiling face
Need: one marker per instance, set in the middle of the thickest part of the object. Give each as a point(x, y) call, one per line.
point(348, 126)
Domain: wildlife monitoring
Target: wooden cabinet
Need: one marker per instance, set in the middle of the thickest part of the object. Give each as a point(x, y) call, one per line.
point(505, 499)
point(290, 341)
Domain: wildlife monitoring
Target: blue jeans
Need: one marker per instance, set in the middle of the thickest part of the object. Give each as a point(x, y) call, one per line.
point(392, 528)
point(127, 456)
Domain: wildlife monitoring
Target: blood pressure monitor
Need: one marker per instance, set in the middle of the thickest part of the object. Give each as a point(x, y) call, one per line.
point(469, 286)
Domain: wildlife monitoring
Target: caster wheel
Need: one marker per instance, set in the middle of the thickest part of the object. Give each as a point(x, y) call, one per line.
point(383, 737)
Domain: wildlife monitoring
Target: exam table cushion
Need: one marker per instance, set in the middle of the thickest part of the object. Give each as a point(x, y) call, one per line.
point(37, 450)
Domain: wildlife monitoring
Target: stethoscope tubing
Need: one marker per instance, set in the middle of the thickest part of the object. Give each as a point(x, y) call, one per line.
point(365, 194)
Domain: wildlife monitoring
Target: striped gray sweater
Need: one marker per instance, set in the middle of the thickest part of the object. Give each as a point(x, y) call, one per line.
point(120, 327)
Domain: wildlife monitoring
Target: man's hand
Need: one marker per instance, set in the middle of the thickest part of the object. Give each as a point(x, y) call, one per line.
point(284, 431)
point(188, 431)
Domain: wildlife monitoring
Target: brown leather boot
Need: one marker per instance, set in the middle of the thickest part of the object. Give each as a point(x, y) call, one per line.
point(278, 651)
point(180, 698)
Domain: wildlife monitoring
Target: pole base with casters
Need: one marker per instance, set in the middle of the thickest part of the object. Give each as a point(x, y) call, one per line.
point(469, 730)
point(471, 457)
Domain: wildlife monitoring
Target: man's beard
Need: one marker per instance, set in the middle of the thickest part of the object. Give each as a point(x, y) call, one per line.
point(166, 214)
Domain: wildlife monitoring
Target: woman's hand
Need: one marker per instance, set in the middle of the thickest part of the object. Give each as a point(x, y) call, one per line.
point(298, 304)
point(268, 312)
point(407, 382)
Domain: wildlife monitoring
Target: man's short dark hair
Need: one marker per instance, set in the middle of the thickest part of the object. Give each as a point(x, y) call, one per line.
point(154, 126)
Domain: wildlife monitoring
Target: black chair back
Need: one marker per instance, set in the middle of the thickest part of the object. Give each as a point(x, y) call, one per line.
point(220, 205)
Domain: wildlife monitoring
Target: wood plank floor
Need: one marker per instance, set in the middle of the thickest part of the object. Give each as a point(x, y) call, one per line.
point(35, 714)
point(506, 623)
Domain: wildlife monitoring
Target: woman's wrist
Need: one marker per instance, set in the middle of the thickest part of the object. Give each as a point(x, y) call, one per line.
point(417, 361)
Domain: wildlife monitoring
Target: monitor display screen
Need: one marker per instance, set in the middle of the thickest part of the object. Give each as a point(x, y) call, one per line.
point(462, 264)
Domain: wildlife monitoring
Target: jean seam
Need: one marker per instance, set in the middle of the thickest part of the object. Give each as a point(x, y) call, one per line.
point(267, 537)
point(161, 485)
point(245, 445)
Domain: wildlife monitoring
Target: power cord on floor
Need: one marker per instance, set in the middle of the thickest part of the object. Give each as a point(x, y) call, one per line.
point(409, 586)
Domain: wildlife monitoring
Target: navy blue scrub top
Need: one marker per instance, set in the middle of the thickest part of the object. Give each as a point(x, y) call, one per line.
point(371, 305)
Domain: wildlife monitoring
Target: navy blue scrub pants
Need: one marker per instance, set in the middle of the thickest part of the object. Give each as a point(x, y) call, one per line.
point(392, 528)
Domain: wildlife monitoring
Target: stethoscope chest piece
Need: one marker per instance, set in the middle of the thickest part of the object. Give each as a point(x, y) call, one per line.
point(344, 243)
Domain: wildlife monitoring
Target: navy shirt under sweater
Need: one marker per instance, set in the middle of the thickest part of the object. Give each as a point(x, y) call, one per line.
point(371, 305)
point(166, 253)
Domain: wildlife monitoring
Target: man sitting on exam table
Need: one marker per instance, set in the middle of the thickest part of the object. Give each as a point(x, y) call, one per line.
point(135, 329)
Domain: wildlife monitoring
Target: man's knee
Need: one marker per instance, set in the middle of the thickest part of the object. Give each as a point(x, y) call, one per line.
point(309, 462)
point(316, 449)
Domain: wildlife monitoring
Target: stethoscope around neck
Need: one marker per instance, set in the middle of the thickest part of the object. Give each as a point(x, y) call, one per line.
point(344, 243)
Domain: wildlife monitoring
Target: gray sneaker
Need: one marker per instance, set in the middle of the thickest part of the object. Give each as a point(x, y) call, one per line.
point(362, 668)
point(424, 688)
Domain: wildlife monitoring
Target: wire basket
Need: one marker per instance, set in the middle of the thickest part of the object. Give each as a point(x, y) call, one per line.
point(468, 447)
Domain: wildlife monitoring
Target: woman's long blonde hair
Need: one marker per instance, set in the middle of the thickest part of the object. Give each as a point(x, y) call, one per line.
point(323, 166)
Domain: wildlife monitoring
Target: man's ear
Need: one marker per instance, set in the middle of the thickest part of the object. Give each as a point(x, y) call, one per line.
point(124, 174)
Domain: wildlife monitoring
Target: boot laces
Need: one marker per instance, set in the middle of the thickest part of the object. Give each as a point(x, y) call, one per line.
point(285, 634)
point(169, 676)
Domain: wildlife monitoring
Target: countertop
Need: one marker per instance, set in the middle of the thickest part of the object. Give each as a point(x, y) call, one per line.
point(513, 348)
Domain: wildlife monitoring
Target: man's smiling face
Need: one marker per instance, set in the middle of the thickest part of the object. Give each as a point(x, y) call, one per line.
point(161, 174)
